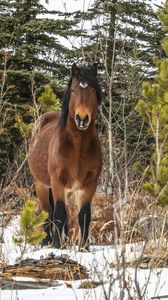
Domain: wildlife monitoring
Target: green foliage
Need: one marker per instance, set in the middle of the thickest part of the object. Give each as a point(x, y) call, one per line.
point(138, 168)
point(31, 56)
point(10, 138)
point(154, 108)
point(30, 225)
point(25, 129)
point(49, 100)
point(117, 43)
point(149, 187)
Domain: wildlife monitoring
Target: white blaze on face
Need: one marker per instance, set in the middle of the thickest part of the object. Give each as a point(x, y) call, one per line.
point(83, 85)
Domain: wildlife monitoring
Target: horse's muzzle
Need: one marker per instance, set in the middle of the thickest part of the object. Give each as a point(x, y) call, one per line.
point(82, 123)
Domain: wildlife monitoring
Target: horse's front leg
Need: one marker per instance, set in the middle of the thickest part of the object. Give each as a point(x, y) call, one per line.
point(59, 217)
point(59, 221)
point(84, 219)
point(84, 216)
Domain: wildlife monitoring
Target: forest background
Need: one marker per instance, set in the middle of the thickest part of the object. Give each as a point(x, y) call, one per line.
point(128, 41)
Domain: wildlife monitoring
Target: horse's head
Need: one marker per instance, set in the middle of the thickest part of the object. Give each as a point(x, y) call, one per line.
point(85, 95)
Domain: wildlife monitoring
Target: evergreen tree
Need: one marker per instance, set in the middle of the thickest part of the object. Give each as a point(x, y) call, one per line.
point(121, 27)
point(124, 39)
point(31, 41)
point(30, 231)
point(31, 55)
point(154, 108)
point(48, 99)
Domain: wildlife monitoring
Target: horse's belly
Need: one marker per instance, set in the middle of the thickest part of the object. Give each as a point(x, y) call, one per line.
point(38, 157)
point(38, 162)
point(39, 169)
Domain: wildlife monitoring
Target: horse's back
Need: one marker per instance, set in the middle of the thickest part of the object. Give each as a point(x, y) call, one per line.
point(41, 137)
point(49, 117)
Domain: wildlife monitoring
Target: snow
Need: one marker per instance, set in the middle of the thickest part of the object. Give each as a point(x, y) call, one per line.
point(98, 262)
point(48, 294)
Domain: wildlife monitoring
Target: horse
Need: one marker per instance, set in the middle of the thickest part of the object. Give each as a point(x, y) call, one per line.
point(66, 160)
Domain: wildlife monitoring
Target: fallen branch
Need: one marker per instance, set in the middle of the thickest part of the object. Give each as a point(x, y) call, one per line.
point(10, 283)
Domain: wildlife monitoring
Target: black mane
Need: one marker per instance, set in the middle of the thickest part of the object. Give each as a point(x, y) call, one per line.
point(85, 74)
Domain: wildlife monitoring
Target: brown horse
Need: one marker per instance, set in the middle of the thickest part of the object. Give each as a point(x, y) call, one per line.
point(65, 159)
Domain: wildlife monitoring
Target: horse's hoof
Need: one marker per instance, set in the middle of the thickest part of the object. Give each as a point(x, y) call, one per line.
point(56, 244)
point(46, 246)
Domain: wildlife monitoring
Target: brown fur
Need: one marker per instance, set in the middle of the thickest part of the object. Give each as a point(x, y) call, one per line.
point(67, 160)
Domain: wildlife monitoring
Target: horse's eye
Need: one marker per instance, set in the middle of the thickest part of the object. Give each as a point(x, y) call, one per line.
point(72, 90)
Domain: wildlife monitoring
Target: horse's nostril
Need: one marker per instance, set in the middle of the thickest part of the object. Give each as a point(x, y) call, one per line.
point(77, 117)
point(81, 122)
point(85, 120)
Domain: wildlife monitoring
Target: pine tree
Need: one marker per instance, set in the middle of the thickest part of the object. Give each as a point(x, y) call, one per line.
point(131, 26)
point(31, 56)
point(124, 39)
point(30, 226)
point(31, 40)
point(154, 108)
point(49, 100)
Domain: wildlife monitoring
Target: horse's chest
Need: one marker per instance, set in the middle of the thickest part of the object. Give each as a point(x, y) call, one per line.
point(79, 164)
point(76, 178)
point(77, 173)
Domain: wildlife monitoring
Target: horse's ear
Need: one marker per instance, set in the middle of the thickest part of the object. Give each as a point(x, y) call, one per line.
point(74, 70)
point(94, 69)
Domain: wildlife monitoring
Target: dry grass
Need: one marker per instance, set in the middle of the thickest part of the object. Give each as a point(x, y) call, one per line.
point(102, 226)
point(61, 268)
point(142, 221)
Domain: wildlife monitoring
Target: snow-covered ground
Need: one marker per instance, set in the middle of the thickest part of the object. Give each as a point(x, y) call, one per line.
point(99, 262)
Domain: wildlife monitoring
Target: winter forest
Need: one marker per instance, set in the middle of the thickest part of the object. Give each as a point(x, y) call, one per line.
point(128, 42)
